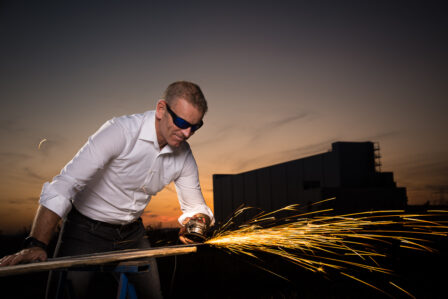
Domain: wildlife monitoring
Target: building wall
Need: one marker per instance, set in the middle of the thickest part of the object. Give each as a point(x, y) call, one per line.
point(347, 172)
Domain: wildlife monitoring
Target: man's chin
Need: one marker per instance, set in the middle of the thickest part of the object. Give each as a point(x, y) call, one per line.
point(176, 144)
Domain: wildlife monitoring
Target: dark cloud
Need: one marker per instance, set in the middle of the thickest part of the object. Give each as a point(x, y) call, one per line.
point(14, 156)
point(219, 136)
point(30, 177)
point(10, 162)
point(31, 174)
point(228, 131)
point(31, 199)
point(382, 135)
point(149, 215)
point(274, 125)
point(19, 201)
point(315, 148)
point(10, 126)
point(436, 168)
point(277, 123)
point(438, 188)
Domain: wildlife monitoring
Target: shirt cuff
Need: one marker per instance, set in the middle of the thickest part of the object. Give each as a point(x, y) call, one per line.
point(55, 202)
point(203, 210)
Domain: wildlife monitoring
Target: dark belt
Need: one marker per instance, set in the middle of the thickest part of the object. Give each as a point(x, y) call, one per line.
point(75, 213)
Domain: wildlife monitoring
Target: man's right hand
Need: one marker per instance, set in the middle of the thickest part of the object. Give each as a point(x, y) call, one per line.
point(24, 256)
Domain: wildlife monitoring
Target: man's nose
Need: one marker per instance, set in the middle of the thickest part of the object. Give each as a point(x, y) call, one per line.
point(187, 132)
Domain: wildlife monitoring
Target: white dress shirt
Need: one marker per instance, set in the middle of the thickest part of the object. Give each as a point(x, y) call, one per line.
point(114, 175)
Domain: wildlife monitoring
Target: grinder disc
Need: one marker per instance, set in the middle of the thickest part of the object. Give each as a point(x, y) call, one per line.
point(195, 237)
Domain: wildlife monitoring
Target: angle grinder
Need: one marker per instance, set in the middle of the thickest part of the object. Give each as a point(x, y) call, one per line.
point(196, 229)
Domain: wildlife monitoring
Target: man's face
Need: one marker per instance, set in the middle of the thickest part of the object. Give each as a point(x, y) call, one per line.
point(167, 131)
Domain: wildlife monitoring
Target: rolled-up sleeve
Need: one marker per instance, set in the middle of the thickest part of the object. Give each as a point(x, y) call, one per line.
point(189, 191)
point(106, 143)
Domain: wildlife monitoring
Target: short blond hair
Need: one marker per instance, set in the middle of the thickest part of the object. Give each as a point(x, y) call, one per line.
point(188, 91)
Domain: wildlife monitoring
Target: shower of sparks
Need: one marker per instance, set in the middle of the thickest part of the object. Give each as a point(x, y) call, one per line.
point(321, 243)
point(41, 142)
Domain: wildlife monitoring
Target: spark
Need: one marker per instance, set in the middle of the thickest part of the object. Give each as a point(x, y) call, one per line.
point(403, 290)
point(41, 142)
point(367, 284)
point(324, 243)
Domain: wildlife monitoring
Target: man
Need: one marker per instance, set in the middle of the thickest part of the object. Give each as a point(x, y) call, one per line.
point(104, 189)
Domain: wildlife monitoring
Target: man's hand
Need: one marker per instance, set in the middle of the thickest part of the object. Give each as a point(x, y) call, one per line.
point(32, 254)
point(44, 225)
point(183, 229)
point(182, 232)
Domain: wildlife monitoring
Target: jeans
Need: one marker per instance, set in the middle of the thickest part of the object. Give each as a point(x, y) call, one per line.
point(82, 235)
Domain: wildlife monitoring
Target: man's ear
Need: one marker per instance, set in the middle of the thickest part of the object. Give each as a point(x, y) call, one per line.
point(160, 109)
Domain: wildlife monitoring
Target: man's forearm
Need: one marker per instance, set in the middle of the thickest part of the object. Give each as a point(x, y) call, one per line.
point(44, 224)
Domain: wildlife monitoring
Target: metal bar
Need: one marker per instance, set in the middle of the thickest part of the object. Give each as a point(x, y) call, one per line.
point(96, 259)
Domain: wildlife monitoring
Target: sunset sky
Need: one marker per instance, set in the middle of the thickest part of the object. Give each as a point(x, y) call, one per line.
point(283, 79)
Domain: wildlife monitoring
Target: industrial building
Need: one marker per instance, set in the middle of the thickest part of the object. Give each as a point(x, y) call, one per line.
point(351, 172)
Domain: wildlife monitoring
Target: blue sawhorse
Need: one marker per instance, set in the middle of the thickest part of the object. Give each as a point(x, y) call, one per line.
point(125, 288)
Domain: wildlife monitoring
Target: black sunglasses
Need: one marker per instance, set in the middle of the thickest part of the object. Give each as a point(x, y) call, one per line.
point(182, 123)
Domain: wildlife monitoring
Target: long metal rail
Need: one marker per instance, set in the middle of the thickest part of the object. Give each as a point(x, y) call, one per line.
point(113, 257)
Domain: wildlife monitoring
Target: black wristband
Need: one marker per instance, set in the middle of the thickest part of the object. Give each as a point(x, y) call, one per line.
point(33, 242)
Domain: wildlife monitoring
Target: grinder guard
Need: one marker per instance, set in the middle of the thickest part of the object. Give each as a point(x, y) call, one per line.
point(196, 229)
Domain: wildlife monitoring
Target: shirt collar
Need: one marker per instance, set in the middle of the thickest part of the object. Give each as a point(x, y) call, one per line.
point(148, 132)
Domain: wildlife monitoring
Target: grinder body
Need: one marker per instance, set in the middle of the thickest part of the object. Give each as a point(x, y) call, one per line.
point(196, 229)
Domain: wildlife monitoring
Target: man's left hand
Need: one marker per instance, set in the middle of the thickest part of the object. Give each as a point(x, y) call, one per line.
point(183, 229)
